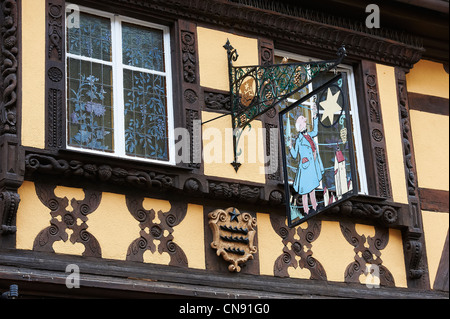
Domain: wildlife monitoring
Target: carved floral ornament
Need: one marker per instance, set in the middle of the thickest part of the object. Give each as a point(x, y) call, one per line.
point(233, 236)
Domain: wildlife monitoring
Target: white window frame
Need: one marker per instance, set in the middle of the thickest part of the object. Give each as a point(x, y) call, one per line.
point(348, 70)
point(117, 83)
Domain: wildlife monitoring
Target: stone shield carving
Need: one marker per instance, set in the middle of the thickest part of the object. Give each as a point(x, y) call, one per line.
point(233, 236)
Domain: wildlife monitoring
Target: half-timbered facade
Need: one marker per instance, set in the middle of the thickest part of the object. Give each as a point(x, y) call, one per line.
point(116, 147)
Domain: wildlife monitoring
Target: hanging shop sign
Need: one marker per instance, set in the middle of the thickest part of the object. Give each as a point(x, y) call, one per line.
point(312, 101)
point(319, 162)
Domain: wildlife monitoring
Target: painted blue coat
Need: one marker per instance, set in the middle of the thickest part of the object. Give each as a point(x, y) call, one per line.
point(310, 171)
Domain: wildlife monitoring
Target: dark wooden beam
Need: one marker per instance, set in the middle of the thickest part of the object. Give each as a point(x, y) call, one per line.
point(428, 103)
point(434, 200)
point(44, 275)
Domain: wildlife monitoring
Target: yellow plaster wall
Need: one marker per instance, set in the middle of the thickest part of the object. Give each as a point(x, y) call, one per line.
point(218, 150)
point(189, 235)
point(33, 72)
point(270, 245)
point(32, 217)
point(430, 134)
point(393, 258)
point(213, 61)
point(392, 131)
point(333, 251)
point(435, 227)
point(113, 226)
point(430, 78)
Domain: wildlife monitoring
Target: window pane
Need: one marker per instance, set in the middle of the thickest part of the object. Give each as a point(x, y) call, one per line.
point(90, 114)
point(92, 39)
point(145, 115)
point(143, 47)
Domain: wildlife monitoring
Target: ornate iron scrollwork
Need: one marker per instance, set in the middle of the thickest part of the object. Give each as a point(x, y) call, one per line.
point(257, 89)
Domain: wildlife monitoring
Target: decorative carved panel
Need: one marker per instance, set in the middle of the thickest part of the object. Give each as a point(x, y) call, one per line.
point(191, 117)
point(65, 218)
point(380, 212)
point(234, 191)
point(11, 153)
point(233, 236)
point(191, 95)
point(9, 21)
point(367, 252)
point(375, 148)
point(56, 74)
point(414, 242)
point(189, 56)
point(217, 100)
point(89, 171)
point(151, 231)
point(297, 248)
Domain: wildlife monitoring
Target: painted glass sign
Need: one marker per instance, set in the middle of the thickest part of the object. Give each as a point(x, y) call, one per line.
point(317, 146)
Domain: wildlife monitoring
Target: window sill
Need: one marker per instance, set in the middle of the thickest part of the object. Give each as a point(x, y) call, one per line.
point(136, 161)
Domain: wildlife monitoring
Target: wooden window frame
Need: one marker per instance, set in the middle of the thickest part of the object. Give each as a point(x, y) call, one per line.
point(117, 70)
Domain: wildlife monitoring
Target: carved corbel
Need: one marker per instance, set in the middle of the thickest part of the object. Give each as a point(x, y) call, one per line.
point(413, 254)
point(9, 203)
point(12, 172)
point(383, 213)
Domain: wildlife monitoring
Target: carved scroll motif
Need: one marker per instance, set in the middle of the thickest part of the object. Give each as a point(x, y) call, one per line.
point(151, 231)
point(63, 219)
point(367, 252)
point(297, 249)
point(9, 67)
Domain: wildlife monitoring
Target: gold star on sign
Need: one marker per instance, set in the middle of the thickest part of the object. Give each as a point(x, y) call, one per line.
point(330, 106)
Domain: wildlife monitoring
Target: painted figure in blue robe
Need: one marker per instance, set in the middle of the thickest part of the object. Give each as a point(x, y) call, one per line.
point(310, 169)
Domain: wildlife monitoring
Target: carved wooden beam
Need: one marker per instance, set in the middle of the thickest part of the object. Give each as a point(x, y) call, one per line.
point(414, 242)
point(12, 168)
point(91, 171)
point(55, 83)
point(301, 29)
point(9, 66)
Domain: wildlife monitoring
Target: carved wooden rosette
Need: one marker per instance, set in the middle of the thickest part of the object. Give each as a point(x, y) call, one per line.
point(233, 236)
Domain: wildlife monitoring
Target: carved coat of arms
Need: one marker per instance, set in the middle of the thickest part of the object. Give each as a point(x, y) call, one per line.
point(233, 236)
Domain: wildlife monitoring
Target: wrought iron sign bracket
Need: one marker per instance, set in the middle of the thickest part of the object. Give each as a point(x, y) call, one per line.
point(257, 89)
